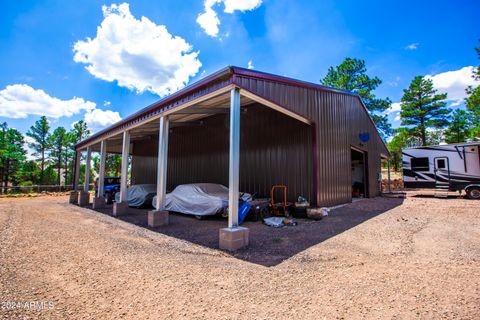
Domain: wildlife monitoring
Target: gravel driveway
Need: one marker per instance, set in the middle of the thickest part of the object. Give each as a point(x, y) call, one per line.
point(420, 259)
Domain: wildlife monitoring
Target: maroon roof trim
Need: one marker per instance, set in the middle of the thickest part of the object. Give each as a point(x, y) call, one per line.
point(286, 80)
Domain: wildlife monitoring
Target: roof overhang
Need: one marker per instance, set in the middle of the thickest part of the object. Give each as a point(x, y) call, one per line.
point(209, 93)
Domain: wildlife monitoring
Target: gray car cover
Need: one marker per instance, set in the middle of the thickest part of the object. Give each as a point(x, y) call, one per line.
point(138, 195)
point(200, 199)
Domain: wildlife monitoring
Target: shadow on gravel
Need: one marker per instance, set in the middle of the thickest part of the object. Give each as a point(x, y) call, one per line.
point(268, 246)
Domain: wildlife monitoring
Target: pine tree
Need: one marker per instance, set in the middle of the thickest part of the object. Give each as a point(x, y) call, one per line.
point(40, 134)
point(423, 108)
point(459, 128)
point(12, 153)
point(69, 156)
point(80, 131)
point(58, 143)
point(113, 164)
point(473, 101)
point(401, 140)
point(3, 146)
point(29, 172)
point(351, 75)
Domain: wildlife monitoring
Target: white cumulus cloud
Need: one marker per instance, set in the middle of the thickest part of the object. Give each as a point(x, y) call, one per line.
point(412, 46)
point(250, 65)
point(454, 83)
point(137, 53)
point(18, 101)
point(97, 119)
point(396, 106)
point(241, 5)
point(209, 21)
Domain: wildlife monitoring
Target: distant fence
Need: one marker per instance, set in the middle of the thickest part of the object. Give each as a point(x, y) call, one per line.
point(38, 188)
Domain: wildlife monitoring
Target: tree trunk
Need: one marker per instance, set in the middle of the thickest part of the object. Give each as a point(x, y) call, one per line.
point(7, 169)
point(42, 169)
point(1, 180)
point(423, 132)
point(66, 171)
point(58, 173)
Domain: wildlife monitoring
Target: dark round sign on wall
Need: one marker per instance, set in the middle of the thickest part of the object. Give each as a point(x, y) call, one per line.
point(364, 136)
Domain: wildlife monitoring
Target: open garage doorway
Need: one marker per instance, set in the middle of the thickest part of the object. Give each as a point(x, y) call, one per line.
point(359, 174)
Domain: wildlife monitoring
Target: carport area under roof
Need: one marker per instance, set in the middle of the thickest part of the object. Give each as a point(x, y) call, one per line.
point(188, 116)
point(229, 101)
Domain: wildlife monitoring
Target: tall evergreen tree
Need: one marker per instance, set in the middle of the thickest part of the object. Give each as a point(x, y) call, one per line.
point(12, 153)
point(58, 143)
point(3, 146)
point(401, 140)
point(473, 101)
point(423, 108)
point(113, 164)
point(29, 172)
point(40, 134)
point(69, 156)
point(459, 128)
point(351, 75)
point(80, 131)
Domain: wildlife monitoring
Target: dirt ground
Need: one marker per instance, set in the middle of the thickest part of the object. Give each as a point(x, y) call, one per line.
point(417, 258)
point(268, 246)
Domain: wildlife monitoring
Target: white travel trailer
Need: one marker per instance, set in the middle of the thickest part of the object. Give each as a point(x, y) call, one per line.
point(453, 167)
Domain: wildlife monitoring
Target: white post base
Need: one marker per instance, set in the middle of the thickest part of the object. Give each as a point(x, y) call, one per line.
point(98, 203)
point(232, 239)
point(73, 197)
point(120, 209)
point(84, 199)
point(157, 218)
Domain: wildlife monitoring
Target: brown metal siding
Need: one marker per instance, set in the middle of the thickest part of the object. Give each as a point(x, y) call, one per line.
point(274, 149)
point(144, 169)
point(339, 119)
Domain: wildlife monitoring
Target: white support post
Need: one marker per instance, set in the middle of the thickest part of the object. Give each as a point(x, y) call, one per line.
point(88, 164)
point(234, 237)
point(162, 162)
point(389, 185)
point(121, 208)
point(76, 174)
point(101, 174)
point(99, 200)
point(84, 197)
point(77, 170)
point(124, 177)
point(160, 216)
point(234, 164)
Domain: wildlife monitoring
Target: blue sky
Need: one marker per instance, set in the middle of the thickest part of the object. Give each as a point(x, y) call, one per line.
point(139, 51)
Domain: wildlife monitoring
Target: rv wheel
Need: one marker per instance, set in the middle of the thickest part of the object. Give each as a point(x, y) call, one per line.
point(473, 193)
